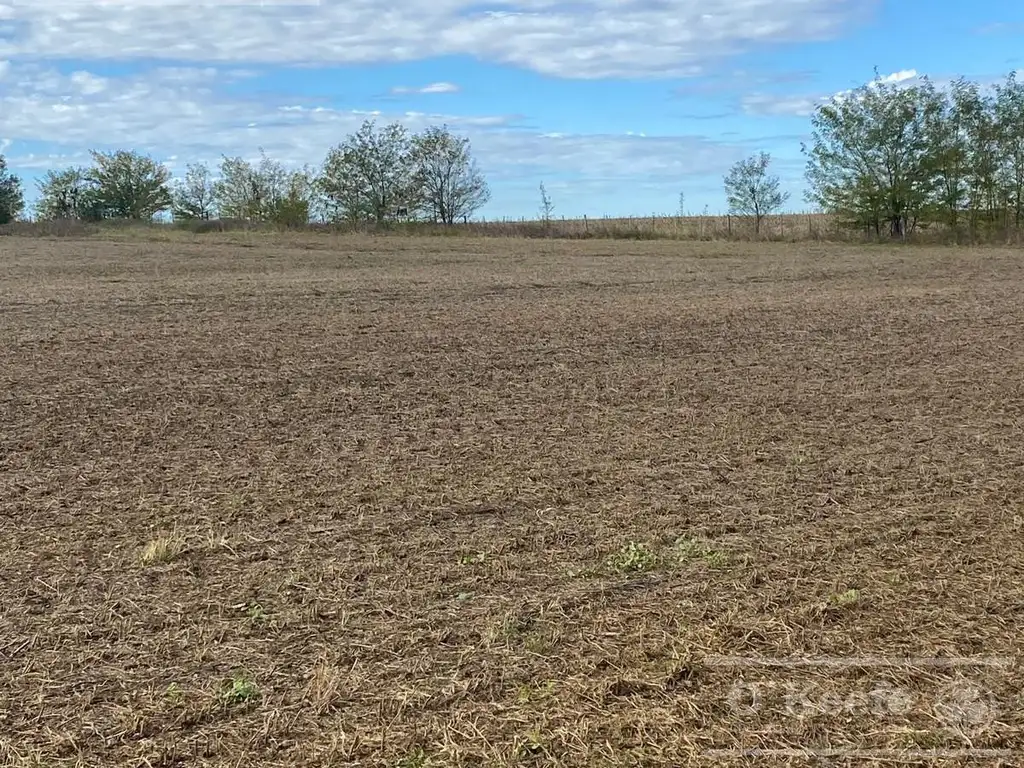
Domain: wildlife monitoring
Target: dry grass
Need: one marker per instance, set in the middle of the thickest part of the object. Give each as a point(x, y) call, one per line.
point(163, 549)
point(785, 227)
point(501, 503)
point(796, 227)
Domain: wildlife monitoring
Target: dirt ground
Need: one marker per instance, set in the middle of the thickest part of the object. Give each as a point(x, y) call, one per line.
point(389, 502)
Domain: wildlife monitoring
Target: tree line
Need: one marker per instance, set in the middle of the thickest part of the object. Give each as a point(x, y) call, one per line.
point(890, 159)
point(887, 158)
point(376, 174)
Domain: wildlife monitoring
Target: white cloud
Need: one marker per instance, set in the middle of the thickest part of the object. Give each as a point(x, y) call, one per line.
point(764, 104)
point(427, 89)
point(803, 106)
point(166, 114)
point(897, 77)
point(584, 39)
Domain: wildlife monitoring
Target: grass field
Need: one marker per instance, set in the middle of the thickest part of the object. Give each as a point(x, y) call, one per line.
point(398, 502)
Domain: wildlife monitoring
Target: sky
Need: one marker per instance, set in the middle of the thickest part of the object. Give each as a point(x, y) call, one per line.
point(619, 107)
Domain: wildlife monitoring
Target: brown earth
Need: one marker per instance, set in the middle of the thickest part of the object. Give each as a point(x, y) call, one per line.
point(388, 502)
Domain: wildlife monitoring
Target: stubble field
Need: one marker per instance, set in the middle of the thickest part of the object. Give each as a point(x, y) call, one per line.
point(388, 502)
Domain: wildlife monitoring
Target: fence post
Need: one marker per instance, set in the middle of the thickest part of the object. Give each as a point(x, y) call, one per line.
point(728, 223)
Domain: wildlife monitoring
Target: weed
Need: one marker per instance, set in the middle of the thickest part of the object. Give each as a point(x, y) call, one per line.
point(633, 558)
point(527, 693)
point(845, 599)
point(240, 689)
point(689, 550)
point(418, 758)
point(174, 694)
point(256, 615)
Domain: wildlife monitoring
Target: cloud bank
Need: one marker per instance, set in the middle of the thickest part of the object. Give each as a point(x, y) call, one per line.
point(583, 39)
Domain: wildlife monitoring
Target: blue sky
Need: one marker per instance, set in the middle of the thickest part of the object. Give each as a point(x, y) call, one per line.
point(618, 106)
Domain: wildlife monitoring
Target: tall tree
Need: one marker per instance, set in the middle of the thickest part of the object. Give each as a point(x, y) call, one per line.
point(1009, 119)
point(949, 136)
point(238, 192)
point(372, 174)
point(65, 194)
point(12, 199)
point(294, 207)
point(342, 187)
point(192, 196)
point(752, 191)
point(870, 160)
point(547, 207)
point(128, 185)
point(449, 183)
point(983, 159)
point(262, 192)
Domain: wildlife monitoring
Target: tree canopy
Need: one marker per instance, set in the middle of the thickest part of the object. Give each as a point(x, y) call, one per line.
point(12, 200)
point(752, 191)
point(890, 158)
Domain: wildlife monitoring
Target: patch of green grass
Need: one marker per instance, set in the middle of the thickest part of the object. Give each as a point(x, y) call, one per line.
point(634, 557)
point(476, 559)
point(536, 691)
point(173, 693)
point(256, 615)
point(689, 550)
point(418, 758)
point(538, 643)
point(845, 599)
point(241, 689)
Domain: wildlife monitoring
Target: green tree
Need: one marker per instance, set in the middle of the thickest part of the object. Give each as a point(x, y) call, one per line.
point(949, 136)
point(12, 199)
point(1009, 119)
point(192, 197)
point(263, 192)
point(983, 198)
point(342, 187)
point(294, 207)
point(449, 184)
point(752, 191)
point(65, 194)
point(871, 159)
point(128, 185)
point(371, 175)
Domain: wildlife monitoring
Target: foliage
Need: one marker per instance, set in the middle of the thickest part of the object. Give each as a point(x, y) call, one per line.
point(886, 158)
point(752, 191)
point(127, 185)
point(1009, 120)
point(372, 175)
point(193, 196)
point(449, 183)
point(12, 200)
point(890, 158)
point(871, 158)
point(65, 194)
point(264, 192)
